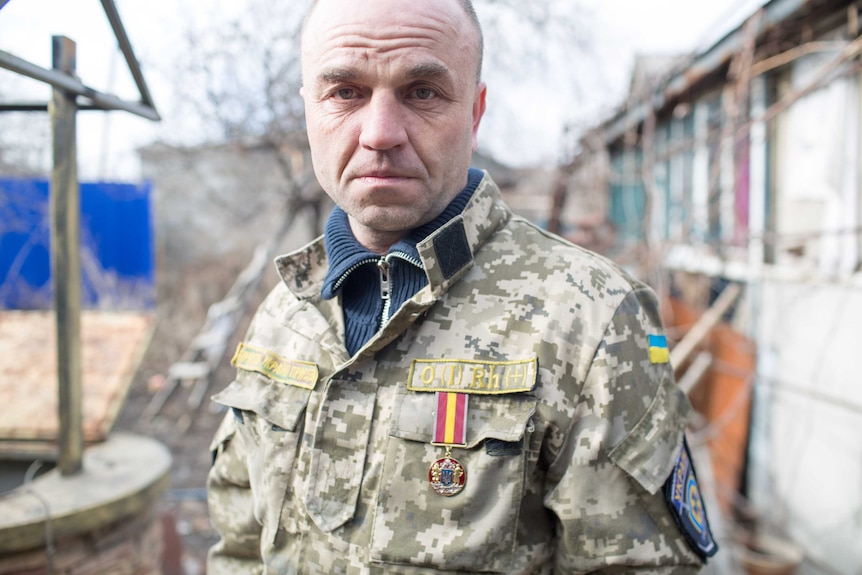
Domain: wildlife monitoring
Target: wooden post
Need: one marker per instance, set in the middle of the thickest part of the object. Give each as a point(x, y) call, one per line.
point(66, 258)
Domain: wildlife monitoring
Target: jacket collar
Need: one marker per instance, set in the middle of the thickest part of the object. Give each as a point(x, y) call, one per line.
point(446, 254)
point(345, 254)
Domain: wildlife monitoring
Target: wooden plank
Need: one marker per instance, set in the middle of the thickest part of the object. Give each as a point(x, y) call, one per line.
point(112, 346)
point(66, 260)
point(695, 373)
point(695, 336)
point(723, 400)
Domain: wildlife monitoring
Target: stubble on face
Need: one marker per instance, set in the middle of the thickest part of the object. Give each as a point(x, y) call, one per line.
point(392, 108)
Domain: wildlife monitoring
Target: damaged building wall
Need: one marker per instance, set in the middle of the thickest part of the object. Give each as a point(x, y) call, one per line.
point(744, 166)
point(816, 191)
point(805, 466)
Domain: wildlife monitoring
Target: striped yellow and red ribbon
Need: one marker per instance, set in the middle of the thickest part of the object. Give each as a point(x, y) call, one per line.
point(450, 420)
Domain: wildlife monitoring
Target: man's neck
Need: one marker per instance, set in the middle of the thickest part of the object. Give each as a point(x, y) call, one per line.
point(377, 241)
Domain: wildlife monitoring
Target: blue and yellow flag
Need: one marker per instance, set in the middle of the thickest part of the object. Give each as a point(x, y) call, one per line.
point(658, 352)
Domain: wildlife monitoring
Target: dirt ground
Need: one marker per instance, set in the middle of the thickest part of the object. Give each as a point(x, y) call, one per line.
point(188, 532)
point(185, 430)
point(186, 288)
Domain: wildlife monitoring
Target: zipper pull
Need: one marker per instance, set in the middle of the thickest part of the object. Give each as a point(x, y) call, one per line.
point(383, 266)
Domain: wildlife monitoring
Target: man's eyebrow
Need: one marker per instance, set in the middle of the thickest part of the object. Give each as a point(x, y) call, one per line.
point(427, 70)
point(336, 75)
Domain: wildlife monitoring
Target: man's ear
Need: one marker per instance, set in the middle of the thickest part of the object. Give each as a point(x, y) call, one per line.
point(478, 110)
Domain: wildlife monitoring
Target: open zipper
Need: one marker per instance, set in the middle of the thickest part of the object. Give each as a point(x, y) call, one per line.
point(384, 265)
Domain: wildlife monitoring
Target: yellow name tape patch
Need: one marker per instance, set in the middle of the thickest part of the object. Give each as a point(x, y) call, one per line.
point(259, 360)
point(468, 376)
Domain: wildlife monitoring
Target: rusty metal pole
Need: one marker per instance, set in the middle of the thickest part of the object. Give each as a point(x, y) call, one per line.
point(66, 258)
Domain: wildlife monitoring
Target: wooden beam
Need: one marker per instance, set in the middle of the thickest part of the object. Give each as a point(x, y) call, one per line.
point(66, 257)
point(695, 336)
point(695, 373)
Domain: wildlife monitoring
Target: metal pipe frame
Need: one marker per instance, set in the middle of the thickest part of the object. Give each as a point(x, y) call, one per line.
point(74, 86)
point(65, 210)
point(125, 44)
point(145, 108)
point(41, 107)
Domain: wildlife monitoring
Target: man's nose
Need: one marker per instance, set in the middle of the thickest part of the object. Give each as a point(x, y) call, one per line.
point(383, 125)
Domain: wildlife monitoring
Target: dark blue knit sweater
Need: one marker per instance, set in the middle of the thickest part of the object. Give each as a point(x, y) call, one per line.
point(355, 271)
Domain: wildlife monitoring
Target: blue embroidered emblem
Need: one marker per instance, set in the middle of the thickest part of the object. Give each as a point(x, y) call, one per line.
point(686, 505)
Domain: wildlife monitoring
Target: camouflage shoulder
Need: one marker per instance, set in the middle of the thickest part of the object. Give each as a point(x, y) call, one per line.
point(604, 274)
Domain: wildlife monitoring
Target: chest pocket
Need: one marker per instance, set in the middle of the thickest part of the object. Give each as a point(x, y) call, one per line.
point(475, 529)
point(269, 418)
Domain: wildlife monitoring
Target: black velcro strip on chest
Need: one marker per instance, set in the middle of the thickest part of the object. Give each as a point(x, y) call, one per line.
point(500, 448)
point(452, 249)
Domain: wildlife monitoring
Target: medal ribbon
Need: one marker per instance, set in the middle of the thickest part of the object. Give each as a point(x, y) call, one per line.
point(450, 420)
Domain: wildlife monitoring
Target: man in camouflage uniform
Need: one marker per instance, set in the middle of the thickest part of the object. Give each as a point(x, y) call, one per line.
point(438, 386)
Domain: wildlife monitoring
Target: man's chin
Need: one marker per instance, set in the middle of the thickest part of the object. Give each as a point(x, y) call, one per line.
point(392, 218)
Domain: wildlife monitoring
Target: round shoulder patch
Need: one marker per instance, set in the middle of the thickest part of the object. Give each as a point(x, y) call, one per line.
point(682, 494)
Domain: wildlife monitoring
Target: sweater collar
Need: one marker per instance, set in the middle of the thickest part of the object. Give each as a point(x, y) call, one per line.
point(346, 254)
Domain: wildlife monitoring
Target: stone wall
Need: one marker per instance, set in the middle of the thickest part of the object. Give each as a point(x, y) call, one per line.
point(132, 546)
point(101, 520)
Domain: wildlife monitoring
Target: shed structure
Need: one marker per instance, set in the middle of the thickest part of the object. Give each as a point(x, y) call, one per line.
point(96, 512)
point(741, 165)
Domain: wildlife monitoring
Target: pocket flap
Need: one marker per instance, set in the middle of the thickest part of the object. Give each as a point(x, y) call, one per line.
point(278, 403)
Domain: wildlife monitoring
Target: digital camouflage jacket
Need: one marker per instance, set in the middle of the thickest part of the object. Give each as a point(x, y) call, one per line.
point(572, 428)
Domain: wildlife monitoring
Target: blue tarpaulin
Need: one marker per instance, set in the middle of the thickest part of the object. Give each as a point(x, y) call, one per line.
point(117, 259)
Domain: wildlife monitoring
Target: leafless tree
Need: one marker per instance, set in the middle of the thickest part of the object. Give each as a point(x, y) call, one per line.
point(241, 76)
point(239, 83)
point(24, 137)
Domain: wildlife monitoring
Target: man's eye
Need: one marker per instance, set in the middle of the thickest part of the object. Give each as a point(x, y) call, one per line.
point(346, 93)
point(424, 93)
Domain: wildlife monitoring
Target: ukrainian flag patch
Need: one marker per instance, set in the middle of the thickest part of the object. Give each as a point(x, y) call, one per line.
point(658, 352)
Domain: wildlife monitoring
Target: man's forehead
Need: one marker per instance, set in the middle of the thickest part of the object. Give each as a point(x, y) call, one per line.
point(382, 31)
point(392, 7)
point(380, 14)
point(335, 22)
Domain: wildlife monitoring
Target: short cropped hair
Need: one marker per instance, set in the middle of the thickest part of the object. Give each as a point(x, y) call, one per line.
point(469, 10)
point(480, 39)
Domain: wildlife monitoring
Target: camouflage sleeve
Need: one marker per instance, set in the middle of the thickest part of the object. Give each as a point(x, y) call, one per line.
point(621, 447)
point(231, 508)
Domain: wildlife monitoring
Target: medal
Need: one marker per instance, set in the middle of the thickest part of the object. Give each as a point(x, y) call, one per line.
point(446, 475)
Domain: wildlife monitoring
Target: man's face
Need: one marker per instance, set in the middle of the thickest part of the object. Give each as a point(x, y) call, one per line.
point(392, 106)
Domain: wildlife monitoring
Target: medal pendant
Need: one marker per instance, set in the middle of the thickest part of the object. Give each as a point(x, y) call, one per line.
point(447, 476)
